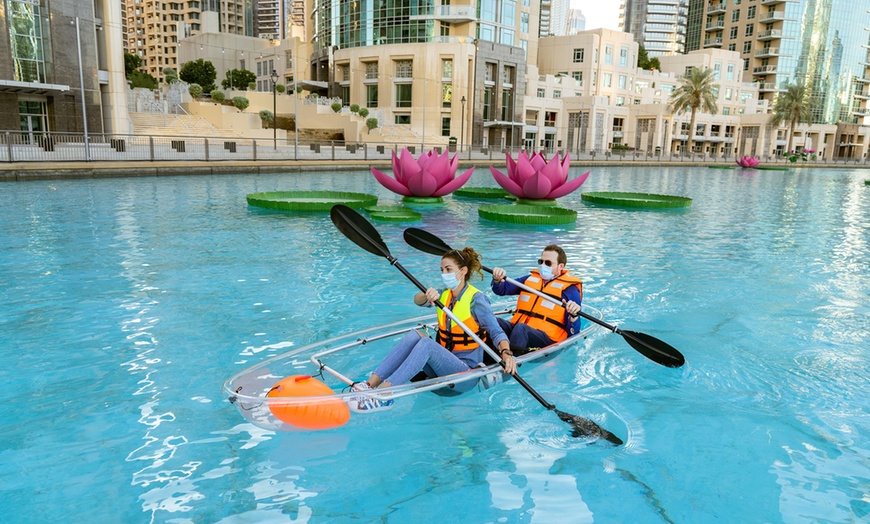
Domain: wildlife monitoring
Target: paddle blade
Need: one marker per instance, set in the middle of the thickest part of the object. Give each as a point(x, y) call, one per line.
point(653, 348)
point(425, 241)
point(358, 230)
point(583, 427)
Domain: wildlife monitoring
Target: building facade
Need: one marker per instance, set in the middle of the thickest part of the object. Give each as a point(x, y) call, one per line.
point(821, 45)
point(659, 25)
point(62, 69)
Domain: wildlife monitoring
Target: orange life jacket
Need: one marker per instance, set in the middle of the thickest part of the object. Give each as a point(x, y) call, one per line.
point(455, 339)
point(542, 314)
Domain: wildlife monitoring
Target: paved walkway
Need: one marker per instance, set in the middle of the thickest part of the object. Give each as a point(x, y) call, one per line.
point(19, 171)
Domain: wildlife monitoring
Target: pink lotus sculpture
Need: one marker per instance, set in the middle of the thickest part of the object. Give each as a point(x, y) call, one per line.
point(748, 161)
point(533, 178)
point(431, 175)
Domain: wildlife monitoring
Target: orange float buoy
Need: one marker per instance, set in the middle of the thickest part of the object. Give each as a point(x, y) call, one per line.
point(320, 414)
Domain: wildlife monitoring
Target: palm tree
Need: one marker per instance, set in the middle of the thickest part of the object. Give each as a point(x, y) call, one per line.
point(696, 91)
point(791, 106)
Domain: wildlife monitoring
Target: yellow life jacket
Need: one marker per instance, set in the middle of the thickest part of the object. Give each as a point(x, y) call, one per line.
point(542, 314)
point(455, 339)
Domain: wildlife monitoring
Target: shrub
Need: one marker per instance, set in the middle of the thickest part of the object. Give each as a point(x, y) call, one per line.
point(218, 96)
point(363, 112)
point(336, 106)
point(315, 95)
point(267, 117)
point(195, 90)
point(371, 123)
point(354, 108)
point(280, 88)
point(252, 86)
point(299, 89)
point(241, 102)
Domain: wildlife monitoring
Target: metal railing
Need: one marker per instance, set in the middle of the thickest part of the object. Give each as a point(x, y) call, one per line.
point(16, 146)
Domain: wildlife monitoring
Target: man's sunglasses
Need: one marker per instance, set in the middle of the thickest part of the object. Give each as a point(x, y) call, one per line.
point(547, 263)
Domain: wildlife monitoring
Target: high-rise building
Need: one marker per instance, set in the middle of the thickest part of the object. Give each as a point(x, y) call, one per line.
point(559, 14)
point(270, 18)
point(576, 21)
point(154, 27)
point(822, 45)
point(659, 25)
point(62, 69)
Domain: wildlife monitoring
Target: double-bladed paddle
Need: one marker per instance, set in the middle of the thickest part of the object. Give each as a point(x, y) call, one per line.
point(652, 348)
point(362, 233)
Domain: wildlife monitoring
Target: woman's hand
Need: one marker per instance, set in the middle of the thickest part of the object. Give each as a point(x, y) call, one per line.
point(510, 364)
point(432, 295)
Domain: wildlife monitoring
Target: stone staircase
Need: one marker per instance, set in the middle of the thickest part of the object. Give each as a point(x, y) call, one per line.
point(158, 124)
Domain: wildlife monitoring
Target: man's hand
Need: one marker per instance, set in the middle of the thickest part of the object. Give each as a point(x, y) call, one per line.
point(498, 275)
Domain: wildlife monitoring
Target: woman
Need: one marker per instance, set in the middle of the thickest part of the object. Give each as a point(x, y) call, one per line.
point(453, 350)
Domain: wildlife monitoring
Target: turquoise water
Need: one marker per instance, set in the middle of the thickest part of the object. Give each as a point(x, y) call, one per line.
point(125, 303)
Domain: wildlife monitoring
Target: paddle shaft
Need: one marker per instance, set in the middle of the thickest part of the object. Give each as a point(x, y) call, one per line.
point(472, 334)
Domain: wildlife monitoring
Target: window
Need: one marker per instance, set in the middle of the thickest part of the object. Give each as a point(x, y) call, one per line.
point(717, 70)
point(750, 12)
point(524, 22)
point(747, 48)
point(623, 57)
point(507, 105)
point(578, 55)
point(371, 70)
point(735, 15)
point(446, 95)
point(578, 76)
point(688, 70)
point(550, 118)
point(524, 45)
point(507, 37)
point(608, 79)
point(403, 119)
point(620, 100)
point(728, 93)
point(372, 96)
point(404, 69)
point(733, 33)
point(542, 93)
point(25, 35)
point(487, 103)
point(746, 64)
point(729, 75)
point(403, 95)
point(557, 93)
point(608, 55)
point(732, 47)
point(750, 29)
point(447, 68)
point(726, 110)
point(445, 126)
point(621, 82)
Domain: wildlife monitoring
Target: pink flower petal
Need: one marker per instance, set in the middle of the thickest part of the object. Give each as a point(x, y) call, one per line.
point(422, 184)
point(511, 166)
point(390, 183)
point(408, 167)
point(553, 171)
point(566, 165)
point(439, 167)
point(568, 187)
point(509, 185)
point(538, 186)
point(524, 171)
point(454, 184)
point(538, 161)
point(397, 170)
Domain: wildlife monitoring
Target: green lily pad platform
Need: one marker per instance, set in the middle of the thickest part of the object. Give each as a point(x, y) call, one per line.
point(536, 202)
point(723, 167)
point(867, 182)
point(422, 200)
point(525, 214)
point(771, 168)
point(310, 200)
point(636, 200)
point(393, 213)
point(481, 192)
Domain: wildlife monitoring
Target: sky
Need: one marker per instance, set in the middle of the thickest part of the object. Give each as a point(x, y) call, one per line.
point(599, 13)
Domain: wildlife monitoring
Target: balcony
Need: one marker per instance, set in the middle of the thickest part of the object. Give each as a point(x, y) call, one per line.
point(863, 80)
point(772, 2)
point(773, 16)
point(716, 10)
point(764, 70)
point(768, 88)
point(715, 26)
point(449, 13)
point(713, 42)
point(860, 95)
point(769, 35)
point(767, 51)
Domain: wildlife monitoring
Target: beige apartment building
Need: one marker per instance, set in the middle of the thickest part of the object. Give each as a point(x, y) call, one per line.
point(154, 27)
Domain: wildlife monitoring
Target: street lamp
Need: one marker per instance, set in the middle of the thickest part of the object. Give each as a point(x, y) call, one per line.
point(82, 84)
point(274, 78)
point(462, 129)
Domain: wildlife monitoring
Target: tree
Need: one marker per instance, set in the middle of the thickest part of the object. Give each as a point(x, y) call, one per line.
point(644, 61)
point(200, 72)
point(791, 106)
point(267, 117)
point(142, 79)
point(336, 106)
point(241, 103)
point(694, 93)
point(195, 90)
point(371, 123)
point(238, 79)
point(170, 75)
point(131, 63)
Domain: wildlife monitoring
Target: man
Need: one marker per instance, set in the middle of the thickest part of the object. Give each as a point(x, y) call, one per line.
point(539, 322)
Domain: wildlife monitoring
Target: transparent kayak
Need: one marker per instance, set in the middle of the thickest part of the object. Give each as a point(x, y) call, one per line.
point(309, 388)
